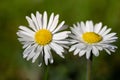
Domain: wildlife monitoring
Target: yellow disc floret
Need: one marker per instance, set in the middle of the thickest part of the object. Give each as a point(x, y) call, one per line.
point(43, 37)
point(91, 37)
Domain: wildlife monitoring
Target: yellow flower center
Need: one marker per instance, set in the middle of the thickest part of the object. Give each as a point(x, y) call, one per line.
point(91, 37)
point(43, 37)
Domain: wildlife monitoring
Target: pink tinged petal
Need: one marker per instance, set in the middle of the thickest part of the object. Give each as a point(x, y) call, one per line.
point(31, 24)
point(106, 32)
point(35, 21)
point(58, 49)
point(103, 30)
point(97, 27)
point(61, 35)
point(50, 21)
point(82, 52)
point(59, 27)
point(39, 19)
point(54, 23)
point(76, 51)
point(38, 52)
point(45, 20)
point(95, 51)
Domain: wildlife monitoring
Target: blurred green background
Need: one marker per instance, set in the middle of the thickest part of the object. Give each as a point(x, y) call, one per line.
point(14, 67)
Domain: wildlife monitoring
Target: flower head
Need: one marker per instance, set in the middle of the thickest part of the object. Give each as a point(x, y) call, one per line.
point(90, 39)
point(42, 36)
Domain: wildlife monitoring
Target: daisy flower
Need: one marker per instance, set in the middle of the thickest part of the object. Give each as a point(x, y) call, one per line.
point(88, 39)
point(41, 36)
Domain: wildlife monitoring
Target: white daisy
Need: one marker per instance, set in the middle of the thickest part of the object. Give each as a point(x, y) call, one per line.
point(42, 36)
point(90, 39)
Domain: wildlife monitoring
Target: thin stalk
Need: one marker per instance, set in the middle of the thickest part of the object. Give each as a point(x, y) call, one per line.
point(46, 73)
point(89, 68)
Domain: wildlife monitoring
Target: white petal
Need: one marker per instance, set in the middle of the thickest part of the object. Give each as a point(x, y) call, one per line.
point(25, 34)
point(50, 21)
point(88, 52)
point(35, 21)
point(28, 50)
point(32, 53)
point(24, 28)
point(48, 55)
point(108, 51)
point(103, 30)
point(61, 35)
point(58, 49)
point(31, 24)
point(76, 51)
point(89, 26)
point(83, 27)
point(45, 20)
point(82, 52)
point(39, 51)
point(97, 27)
point(106, 32)
point(61, 42)
point(106, 37)
point(54, 24)
point(59, 27)
point(95, 51)
point(39, 19)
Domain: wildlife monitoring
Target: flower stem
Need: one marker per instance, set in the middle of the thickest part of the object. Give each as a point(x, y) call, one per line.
point(89, 68)
point(46, 73)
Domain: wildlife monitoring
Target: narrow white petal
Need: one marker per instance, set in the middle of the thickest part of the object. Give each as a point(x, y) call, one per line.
point(97, 27)
point(61, 35)
point(48, 55)
point(31, 24)
point(39, 19)
point(57, 49)
point(28, 50)
point(89, 26)
point(95, 51)
point(76, 51)
point(54, 24)
point(83, 27)
point(24, 28)
point(45, 20)
point(106, 37)
point(82, 52)
point(35, 21)
point(61, 42)
point(59, 27)
point(103, 30)
point(106, 32)
point(50, 21)
point(39, 51)
point(108, 51)
point(88, 52)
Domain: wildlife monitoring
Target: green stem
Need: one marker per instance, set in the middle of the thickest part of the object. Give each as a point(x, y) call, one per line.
point(46, 73)
point(89, 68)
